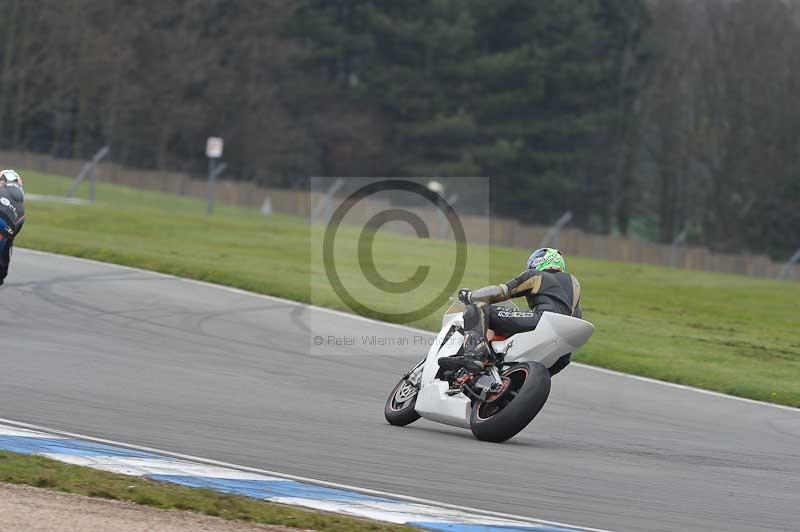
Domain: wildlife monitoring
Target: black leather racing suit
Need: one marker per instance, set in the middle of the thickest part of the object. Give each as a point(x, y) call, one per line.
point(545, 292)
point(12, 217)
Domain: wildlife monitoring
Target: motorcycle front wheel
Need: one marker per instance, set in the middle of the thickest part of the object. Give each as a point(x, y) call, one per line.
point(400, 406)
point(501, 418)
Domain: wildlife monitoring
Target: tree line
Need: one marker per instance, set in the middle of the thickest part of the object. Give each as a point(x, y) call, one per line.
point(647, 118)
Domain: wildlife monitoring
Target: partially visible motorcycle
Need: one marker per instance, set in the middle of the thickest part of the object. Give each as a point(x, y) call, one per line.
point(498, 402)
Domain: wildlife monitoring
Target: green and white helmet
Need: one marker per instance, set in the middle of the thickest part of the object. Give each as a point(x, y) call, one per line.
point(547, 259)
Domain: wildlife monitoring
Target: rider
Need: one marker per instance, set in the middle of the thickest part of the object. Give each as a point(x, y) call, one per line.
point(12, 216)
point(547, 287)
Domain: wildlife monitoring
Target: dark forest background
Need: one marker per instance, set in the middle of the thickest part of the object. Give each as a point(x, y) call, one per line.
point(644, 118)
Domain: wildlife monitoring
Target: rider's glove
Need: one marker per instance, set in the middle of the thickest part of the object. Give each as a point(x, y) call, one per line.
point(464, 296)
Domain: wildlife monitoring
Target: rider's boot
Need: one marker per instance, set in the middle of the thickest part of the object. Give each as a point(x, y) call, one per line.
point(477, 354)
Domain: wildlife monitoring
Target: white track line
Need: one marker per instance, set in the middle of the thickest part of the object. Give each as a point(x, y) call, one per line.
point(404, 327)
point(366, 491)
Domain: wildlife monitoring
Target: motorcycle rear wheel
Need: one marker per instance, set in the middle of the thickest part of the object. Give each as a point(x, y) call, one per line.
point(400, 406)
point(498, 420)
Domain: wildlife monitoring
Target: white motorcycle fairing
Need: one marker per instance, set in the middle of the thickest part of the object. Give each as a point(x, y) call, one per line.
point(554, 336)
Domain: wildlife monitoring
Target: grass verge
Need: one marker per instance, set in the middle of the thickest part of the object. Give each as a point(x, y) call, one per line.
point(42, 472)
point(733, 334)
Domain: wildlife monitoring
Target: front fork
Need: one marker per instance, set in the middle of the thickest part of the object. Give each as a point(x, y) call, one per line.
point(415, 374)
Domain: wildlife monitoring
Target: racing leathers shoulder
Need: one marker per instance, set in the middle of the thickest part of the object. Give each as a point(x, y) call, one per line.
point(12, 218)
point(544, 291)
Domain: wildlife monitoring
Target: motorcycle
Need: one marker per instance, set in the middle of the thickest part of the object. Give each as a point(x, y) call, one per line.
point(498, 402)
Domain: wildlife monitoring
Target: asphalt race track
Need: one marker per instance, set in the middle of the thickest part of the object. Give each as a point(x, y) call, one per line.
point(190, 368)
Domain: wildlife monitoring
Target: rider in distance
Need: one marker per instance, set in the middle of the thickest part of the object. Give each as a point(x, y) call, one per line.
point(12, 216)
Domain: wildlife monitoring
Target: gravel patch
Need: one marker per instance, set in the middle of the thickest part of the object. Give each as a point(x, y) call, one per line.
point(23, 508)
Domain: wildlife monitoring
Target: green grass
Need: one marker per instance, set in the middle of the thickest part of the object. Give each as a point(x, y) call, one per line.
point(734, 334)
point(45, 473)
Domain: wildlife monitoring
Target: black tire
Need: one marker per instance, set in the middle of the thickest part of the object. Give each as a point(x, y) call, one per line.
point(528, 390)
point(399, 409)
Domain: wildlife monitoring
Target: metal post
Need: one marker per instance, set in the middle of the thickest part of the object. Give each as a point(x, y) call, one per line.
point(214, 147)
point(322, 205)
point(88, 170)
point(212, 162)
point(214, 170)
point(679, 241)
point(92, 181)
point(787, 268)
point(552, 236)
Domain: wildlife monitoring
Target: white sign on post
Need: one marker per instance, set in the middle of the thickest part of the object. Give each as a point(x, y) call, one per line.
point(214, 147)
